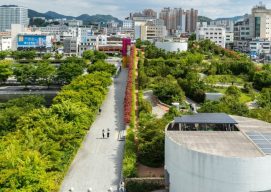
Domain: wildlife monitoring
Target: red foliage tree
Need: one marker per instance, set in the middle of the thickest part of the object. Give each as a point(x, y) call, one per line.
point(128, 99)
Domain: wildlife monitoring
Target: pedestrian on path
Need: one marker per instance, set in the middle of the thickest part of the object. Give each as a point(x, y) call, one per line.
point(100, 110)
point(103, 133)
point(108, 133)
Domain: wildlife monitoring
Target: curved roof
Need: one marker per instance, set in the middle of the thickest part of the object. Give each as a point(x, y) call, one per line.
point(245, 143)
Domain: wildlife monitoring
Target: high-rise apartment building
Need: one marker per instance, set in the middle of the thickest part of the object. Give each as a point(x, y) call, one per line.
point(178, 20)
point(191, 20)
point(149, 13)
point(11, 14)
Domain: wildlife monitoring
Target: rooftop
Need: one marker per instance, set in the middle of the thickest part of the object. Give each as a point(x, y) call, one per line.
point(252, 140)
point(206, 118)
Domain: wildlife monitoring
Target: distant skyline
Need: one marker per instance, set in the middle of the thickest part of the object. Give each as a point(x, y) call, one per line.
point(122, 8)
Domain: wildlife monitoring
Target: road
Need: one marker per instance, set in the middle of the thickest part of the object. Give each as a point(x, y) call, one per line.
point(97, 164)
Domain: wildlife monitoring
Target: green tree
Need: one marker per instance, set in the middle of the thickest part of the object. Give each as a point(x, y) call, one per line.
point(68, 71)
point(46, 73)
point(168, 91)
point(5, 70)
point(151, 143)
point(3, 54)
point(102, 66)
point(25, 74)
point(264, 99)
point(58, 56)
point(46, 56)
point(89, 55)
point(192, 37)
point(99, 56)
point(233, 91)
point(138, 43)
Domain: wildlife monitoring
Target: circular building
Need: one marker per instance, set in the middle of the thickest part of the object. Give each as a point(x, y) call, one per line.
point(214, 152)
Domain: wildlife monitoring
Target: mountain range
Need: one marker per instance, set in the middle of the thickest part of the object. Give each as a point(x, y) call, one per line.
point(208, 20)
point(105, 18)
point(84, 17)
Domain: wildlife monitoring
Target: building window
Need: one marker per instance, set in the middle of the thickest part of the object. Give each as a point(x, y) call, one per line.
point(257, 26)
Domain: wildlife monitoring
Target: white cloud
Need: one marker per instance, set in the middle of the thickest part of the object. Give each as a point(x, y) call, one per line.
point(122, 8)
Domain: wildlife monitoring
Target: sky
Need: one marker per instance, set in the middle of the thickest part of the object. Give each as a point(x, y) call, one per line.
point(122, 8)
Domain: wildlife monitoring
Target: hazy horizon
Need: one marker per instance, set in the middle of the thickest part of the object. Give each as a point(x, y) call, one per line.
point(121, 9)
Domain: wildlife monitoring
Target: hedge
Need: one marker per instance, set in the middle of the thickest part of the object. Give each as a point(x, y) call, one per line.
point(37, 156)
point(129, 160)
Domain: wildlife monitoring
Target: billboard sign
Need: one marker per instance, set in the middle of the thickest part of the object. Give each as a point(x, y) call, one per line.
point(31, 41)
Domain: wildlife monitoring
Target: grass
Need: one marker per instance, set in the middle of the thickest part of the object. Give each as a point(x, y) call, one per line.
point(213, 79)
point(244, 98)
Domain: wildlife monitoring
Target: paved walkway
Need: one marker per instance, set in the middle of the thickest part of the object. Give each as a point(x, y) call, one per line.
point(97, 164)
point(156, 108)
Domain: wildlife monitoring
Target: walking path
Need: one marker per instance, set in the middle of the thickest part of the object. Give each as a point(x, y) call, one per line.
point(157, 109)
point(98, 162)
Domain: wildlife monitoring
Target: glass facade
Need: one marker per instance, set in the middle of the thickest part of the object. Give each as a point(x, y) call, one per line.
point(12, 15)
point(257, 26)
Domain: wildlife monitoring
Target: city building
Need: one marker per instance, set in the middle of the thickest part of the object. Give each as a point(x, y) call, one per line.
point(71, 46)
point(15, 30)
point(5, 43)
point(243, 33)
point(127, 24)
point(172, 46)
point(92, 43)
point(74, 23)
point(145, 15)
point(113, 27)
point(179, 21)
point(211, 152)
point(262, 21)
point(175, 19)
point(215, 34)
point(259, 47)
point(11, 14)
point(191, 20)
point(152, 30)
point(228, 24)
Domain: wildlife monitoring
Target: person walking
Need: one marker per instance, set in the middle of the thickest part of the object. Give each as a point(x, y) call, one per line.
point(108, 133)
point(103, 133)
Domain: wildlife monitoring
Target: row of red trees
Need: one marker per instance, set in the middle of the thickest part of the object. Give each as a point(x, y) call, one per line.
point(128, 99)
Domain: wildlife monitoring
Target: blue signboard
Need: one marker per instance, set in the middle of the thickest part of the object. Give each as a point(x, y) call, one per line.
point(31, 41)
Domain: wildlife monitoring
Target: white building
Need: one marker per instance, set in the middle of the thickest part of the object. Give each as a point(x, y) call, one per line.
point(218, 153)
point(92, 43)
point(5, 43)
point(153, 30)
point(229, 37)
point(11, 14)
point(260, 46)
point(15, 30)
point(128, 24)
point(228, 24)
point(74, 23)
point(215, 34)
point(172, 46)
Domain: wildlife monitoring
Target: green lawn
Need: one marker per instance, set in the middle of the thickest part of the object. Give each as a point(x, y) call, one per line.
point(244, 98)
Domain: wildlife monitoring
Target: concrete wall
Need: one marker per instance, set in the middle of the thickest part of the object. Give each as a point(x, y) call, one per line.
point(172, 46)
point(191, 171)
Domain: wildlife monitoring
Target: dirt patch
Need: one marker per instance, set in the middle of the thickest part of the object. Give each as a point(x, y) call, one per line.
point(144, 171)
